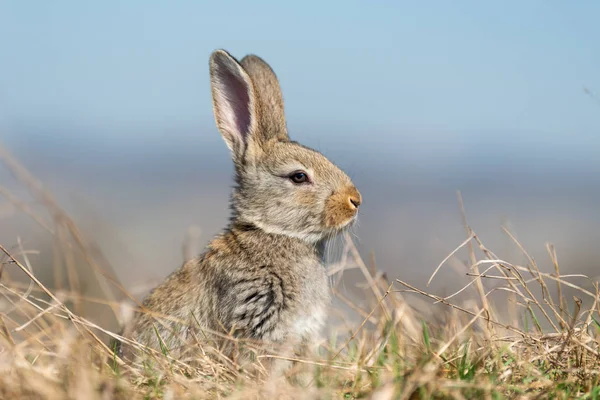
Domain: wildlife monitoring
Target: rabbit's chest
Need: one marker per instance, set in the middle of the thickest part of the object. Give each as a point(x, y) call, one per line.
point(313, 300)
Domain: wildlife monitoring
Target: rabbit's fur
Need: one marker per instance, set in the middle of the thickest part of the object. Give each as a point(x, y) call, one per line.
point(262, 278)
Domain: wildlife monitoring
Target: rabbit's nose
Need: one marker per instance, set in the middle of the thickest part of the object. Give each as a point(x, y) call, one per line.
point(342, 206)
point(355, 199)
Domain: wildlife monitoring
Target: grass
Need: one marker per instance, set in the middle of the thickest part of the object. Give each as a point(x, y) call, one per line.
point(466, 347)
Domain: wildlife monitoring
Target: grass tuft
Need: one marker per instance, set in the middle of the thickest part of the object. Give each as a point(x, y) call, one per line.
point(466, 346)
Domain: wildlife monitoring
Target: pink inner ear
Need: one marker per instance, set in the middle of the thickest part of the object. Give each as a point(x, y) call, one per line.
point(236, 105)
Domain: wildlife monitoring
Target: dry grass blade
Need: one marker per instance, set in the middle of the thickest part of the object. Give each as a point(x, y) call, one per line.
point(351, 338)
point(463, 244)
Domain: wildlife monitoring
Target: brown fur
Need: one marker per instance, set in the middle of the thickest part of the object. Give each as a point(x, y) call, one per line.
point(263, 277)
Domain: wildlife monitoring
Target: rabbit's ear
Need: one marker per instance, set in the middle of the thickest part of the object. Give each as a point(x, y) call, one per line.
point(233, 102)
point(271, 118)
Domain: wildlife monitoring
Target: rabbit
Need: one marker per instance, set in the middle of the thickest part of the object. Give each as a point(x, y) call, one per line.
point(263, 277)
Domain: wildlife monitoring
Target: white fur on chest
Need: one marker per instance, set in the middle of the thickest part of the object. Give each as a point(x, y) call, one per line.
point(310, 324)
point(313, 301)
point(304, 321)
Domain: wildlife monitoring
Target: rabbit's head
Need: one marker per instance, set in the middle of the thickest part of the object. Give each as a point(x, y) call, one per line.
point(282, 186)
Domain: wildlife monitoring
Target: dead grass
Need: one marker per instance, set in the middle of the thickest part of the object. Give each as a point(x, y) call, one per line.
point(546, 346)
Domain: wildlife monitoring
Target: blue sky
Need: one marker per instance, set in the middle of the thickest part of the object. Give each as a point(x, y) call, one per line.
point(391, 71)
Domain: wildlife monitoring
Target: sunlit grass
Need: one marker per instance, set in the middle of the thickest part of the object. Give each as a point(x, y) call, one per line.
point(464, 349)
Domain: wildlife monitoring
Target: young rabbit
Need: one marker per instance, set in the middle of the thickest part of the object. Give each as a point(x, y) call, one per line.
point(262, 278)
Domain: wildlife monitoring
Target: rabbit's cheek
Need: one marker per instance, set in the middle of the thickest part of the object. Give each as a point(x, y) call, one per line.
point(304, 198)
point(340, 208)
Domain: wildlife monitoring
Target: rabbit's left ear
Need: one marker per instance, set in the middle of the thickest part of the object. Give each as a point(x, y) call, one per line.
point(234, 103)
point(271, 117)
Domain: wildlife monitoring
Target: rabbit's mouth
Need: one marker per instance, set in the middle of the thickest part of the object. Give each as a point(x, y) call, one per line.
point(348, 224)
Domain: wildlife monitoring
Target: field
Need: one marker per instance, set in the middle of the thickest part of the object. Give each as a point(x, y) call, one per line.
point(514, 331)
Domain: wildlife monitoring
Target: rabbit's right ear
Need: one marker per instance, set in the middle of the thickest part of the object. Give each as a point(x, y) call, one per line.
point(234, 102)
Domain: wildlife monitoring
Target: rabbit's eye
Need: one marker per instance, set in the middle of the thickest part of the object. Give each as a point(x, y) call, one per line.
point(299, 177)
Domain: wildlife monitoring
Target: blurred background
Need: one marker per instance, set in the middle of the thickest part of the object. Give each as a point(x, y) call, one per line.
point(108, 104)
